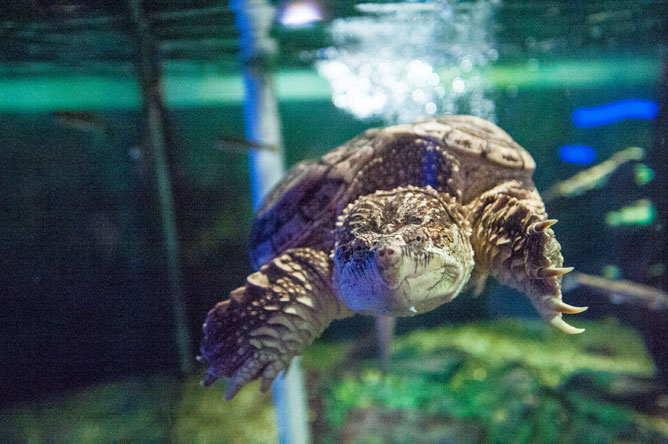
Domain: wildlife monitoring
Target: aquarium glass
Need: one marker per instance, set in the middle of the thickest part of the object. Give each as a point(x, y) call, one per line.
point(126, 213)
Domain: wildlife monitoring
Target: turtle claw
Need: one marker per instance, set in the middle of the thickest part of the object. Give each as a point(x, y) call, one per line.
point(555, 271)
point(233, 388)
point(263, 364)
point(545, 224)
point(537, 227)
point(562, 325)
point(208, 380)
point(266, 384)
point(248, 371)
point(562, 307)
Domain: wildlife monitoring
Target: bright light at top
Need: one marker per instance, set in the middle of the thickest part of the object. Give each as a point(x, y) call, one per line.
point(399, 61)
point(296, 14)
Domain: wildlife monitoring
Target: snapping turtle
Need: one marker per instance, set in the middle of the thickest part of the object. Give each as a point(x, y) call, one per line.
point(395, 222)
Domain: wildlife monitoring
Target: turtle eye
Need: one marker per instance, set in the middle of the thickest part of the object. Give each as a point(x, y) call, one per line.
point(418, 238)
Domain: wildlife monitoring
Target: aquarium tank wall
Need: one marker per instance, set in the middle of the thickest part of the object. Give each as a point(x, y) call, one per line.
point(138, 138)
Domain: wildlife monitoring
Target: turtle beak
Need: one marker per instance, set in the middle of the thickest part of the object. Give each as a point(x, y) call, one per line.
point(388, 257)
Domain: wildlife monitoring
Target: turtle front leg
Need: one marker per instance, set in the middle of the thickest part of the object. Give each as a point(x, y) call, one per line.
point(512, 240)
point(263, 325)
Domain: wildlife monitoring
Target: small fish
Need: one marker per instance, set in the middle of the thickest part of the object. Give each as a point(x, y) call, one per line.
point(85, 121)
point(619, 292)
point(46, 8)
point(609, 16)
point(594, 177)
point(238, 144)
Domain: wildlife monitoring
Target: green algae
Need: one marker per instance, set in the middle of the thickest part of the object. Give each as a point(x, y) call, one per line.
point(203, 416)
point(136, 410)
point(149, 410)
point(504, 381)
point(497, 381)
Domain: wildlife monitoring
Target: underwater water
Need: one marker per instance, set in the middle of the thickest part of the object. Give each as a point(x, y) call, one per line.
point(92, 327)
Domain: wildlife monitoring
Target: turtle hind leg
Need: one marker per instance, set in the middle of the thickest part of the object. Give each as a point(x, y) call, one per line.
point(512, 239)
point(264, 324)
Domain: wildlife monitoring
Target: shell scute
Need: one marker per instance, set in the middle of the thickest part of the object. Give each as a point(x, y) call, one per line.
point(470, 135)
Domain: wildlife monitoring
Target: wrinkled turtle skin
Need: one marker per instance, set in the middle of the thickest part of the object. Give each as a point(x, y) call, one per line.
point(396, 222)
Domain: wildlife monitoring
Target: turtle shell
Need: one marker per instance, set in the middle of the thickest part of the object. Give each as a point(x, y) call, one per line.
point(461, 155)
point(469, 135)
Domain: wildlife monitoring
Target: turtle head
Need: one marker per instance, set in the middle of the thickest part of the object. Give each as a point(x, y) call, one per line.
point(401, 252)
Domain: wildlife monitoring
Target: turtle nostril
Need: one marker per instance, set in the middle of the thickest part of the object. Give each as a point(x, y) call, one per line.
point(386, 250)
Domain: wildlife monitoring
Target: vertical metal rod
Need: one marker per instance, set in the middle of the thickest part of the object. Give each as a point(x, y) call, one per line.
point(148, 68)
point(254, 19)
